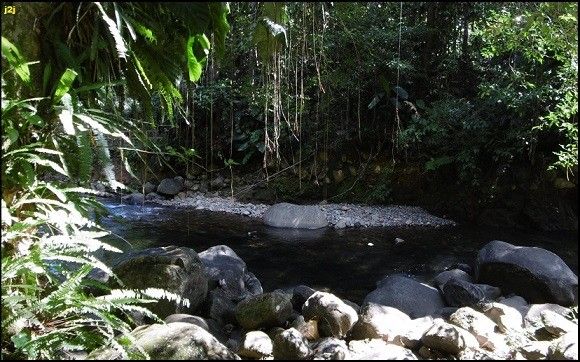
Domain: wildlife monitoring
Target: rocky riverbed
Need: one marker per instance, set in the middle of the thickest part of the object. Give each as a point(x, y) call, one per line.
point(522, 315)
point(338, 215)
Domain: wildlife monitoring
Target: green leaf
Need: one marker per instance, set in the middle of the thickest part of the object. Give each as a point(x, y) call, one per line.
point(20, 339)
point(115, 33)
point(193, 65)
point(64, 84)
point(11, 137)
point(11, 53)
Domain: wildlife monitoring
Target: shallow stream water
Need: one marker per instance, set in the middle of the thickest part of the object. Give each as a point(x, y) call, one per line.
point(346, 262)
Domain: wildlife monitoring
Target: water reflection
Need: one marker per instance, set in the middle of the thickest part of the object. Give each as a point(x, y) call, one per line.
point(346, 262)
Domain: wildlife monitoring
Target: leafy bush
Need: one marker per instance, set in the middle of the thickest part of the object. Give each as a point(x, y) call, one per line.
point(49, 244)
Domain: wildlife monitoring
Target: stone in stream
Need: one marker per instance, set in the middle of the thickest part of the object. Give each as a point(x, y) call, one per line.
point(177, 270)
point(133, 199)
point(153, 196)
point(285, 215)
point(149, 187)
point(169, 186)
point(408, 295)
point(226, 270)
point(536, 274)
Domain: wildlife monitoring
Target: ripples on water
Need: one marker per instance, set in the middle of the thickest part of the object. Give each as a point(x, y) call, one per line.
point(346, 262)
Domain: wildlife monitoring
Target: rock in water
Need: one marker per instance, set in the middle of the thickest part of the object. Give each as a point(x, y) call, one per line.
point(149, 187)
point(169, 186)
point(286, 215)
point(133, 199)
point(407, 295)
point(536, 274)
point(226, 269)
point(176, 269)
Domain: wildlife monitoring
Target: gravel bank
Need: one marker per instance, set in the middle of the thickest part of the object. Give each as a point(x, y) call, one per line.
point(338, 215)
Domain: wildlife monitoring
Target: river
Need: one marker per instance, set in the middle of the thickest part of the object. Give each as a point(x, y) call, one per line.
point(345, 262)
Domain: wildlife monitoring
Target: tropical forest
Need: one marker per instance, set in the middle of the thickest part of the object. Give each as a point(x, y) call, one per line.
point(289, 180)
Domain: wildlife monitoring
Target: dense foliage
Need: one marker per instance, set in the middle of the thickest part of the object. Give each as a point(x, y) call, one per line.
point(340, 100)
point(56, 124)
point(468, 92)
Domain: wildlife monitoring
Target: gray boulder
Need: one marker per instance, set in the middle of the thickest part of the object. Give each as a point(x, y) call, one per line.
point(533, 316)
point(226, 270)
point(181, 341)
point(220, 306)
point(286, 215)
point(377, 349)
point(208, 324)
point(255, 344)
point(536, 274)
point(177, 270)
point(290, 344)
point(169, 186)
point(263, 311)
point(149, 187)
point(448, 338)
point(535, 350)
point(517, 302)
point(335, 318)
point(309, 329)
point(379, 321)
point(565, 347)
point(556, 324)
point(330, 348)
point(508, 319)
point(299, 295)
point(408, 295)
point(415, 329)
point(475, 322)
point(153, 196)
point(133, 199)
point(447, 275)
point(459, 293)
